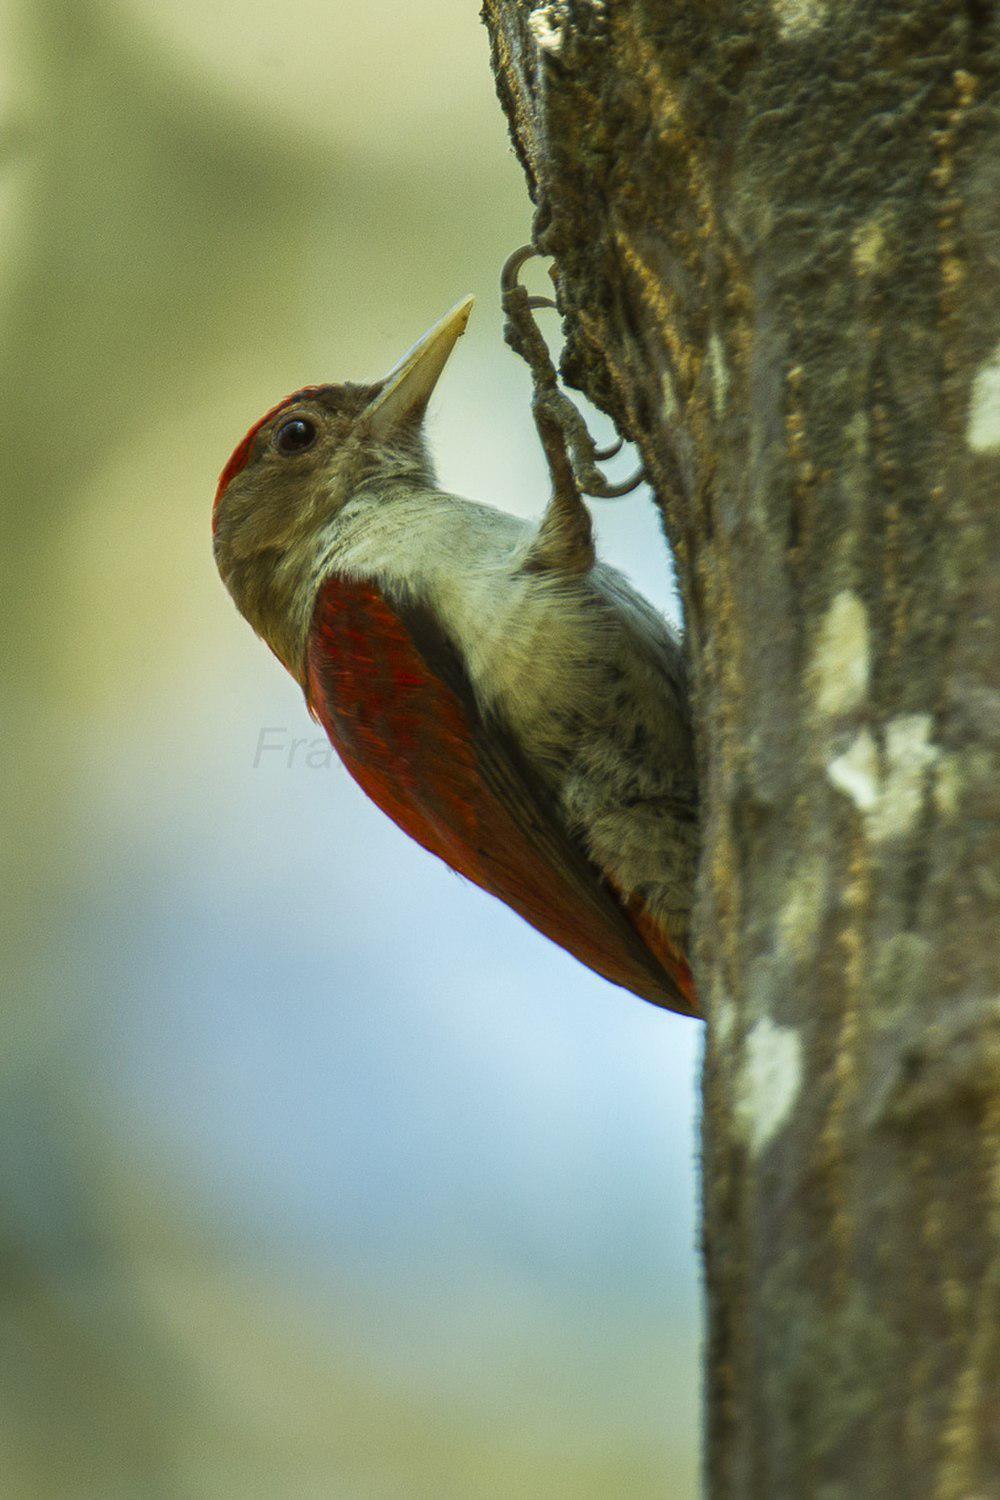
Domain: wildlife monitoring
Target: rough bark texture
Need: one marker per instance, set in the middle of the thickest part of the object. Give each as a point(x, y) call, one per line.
point(776, 240)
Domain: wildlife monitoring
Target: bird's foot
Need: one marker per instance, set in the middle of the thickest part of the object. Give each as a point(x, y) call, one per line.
point(572, 454)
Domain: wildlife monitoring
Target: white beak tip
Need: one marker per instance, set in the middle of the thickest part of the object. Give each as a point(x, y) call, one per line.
point(408, 386)
point(463, 309)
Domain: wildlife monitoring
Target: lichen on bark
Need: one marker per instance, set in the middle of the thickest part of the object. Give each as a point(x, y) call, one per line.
point(774, 231)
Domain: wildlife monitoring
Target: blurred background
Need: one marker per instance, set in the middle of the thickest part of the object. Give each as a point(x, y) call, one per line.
point(321, 1174)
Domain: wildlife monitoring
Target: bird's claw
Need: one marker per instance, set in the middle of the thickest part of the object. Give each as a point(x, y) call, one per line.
point(511, 270)
point(562, 422)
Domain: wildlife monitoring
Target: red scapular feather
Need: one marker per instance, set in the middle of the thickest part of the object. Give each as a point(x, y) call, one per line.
point(391, 691)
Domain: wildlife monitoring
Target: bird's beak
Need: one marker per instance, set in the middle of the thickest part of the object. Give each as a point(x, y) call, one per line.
point(407, 388)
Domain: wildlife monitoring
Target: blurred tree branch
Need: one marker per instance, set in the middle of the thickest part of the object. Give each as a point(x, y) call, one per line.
point(775, 230)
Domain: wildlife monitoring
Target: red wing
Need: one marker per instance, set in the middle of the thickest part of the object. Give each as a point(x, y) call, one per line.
point(391, 691)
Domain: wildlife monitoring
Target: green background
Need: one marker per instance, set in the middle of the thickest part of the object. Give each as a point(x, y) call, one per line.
point(321, 1174)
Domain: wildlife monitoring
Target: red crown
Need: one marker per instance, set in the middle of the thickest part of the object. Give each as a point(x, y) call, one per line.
point(240, 456)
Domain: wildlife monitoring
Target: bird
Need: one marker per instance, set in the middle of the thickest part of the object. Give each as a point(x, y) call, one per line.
point(509, 700)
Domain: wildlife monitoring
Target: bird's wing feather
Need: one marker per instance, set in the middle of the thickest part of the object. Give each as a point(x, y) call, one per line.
point(391, 690)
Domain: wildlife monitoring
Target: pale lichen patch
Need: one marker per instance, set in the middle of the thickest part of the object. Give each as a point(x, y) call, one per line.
point(722, 1016)
point(670, 406)
point(983, 431)
point(799, 18)
point(870, 252)
point(768, 1082)
point(840, 660)
point(857, 773)
point(719, 373)
point(800, 916)
point(888, 788)
point(547, 26)
point(909, 755)
point(947, 787)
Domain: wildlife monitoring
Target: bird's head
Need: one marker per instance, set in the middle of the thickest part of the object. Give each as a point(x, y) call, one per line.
point(298, 466)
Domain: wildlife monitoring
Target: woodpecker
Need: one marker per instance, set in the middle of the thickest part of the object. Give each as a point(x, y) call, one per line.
point(509, 701)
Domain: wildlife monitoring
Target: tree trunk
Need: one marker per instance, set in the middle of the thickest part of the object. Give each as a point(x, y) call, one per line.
point(776, 240)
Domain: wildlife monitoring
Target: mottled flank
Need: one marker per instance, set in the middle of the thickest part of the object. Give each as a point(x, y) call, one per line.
point(393, 694)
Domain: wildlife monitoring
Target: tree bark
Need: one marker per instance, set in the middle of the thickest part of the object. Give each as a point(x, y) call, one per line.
point(776, 239)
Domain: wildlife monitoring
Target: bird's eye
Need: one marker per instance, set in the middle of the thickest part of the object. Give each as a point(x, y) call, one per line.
point(295, 436)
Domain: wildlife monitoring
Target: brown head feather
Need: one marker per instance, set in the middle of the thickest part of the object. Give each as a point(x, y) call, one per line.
point(240, 456)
